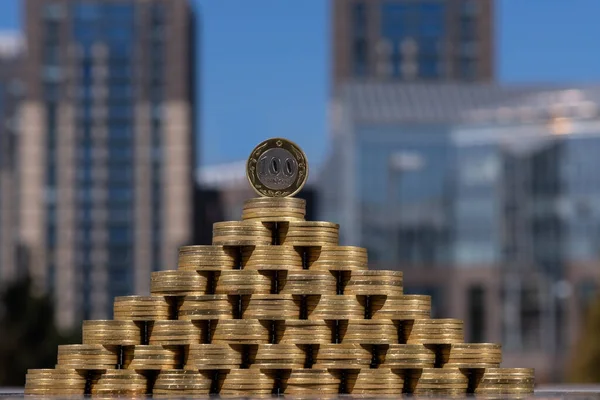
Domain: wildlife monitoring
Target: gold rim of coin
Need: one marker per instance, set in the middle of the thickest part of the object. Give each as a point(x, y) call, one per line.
point(293, 169)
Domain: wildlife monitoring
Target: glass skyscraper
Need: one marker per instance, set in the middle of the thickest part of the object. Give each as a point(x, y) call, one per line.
point(485, 196)
point(107, 147)
point(11, 93)
point(413, 40)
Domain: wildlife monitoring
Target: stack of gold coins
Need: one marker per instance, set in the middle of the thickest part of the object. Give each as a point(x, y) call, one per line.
point(375, 381)
point(152, 357)
point(274, 209)
point(207, 258)
point(211, 306)
point(433, 331)
point(387, 283)
point(53, 382)
point(241, 382)
point(369, 331)
point(309, 233)
point(242, 233)
point(241, 331)
point(437, 381)
point(243, 282)
point(307, 282)
point(180, 283)
point(338, 258)
point(408, 356)
point(213, 357)
point(304, 331)
point(503, 381)
point(334, 307)
point(271, 306)
point(176, 332)
point(87, 356)
point(141, 308)
point(277, 356)
point(272, 258)
point(181, 383)
point(471, 355)
point(120, 382)
point(398, 308)
point(342, 356)
point(313, 382)
point(111, 333)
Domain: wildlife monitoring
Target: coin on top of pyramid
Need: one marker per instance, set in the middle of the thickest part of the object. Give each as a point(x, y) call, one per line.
point(276, 306)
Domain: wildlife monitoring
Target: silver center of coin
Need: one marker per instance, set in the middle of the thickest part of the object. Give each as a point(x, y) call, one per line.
point(277, 169)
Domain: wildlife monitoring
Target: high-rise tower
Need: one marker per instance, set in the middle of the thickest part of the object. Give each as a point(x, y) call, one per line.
point(413, 40)
point(106, 148)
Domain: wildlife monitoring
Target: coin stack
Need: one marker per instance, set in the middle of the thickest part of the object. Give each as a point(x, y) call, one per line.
point(242, 233)
point(181, 383)
point(274, 209)
point(207, 258)
point(87, 356)
point(277, 356)
point(342, 356)
point(305, 331)
point(176, 332)
point(151, 357)
point(378, 381)
point(276, 306)
point(307, 282)
point(283, 258)
point(408, 356)
point(112, 332)
point(240, 382)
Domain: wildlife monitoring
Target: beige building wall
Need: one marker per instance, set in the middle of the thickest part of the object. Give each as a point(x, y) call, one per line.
point(177, 185)
point(177, 152)
point(31, 165)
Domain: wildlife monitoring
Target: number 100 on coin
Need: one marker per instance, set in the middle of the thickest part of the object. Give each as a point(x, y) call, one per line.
point(277, 168)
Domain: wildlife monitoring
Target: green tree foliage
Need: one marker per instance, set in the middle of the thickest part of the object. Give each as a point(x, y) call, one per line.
point(28, 336)
point(586, 357)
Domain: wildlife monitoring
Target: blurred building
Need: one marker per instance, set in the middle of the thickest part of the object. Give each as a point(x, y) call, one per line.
point(12, 50)
point(222, 190)
point(486, 196)
point(413, 40)
point(106, 147)
point(527, 204)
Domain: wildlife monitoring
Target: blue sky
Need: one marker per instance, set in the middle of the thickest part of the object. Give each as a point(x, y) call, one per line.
point(264, 64)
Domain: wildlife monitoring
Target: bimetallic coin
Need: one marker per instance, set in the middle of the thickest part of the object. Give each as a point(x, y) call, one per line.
point(277, 168)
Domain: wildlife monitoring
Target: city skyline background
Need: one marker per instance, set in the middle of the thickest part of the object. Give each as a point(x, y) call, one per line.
point(481, 183)
point(237, 110)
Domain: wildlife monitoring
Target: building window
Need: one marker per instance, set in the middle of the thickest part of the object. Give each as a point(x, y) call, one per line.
point(469, 8)
point(428, 67)
point(431, 20)
point(468, 29)
point(360, 57)
point(476, 313)
point(530, 318)
point(53, 12)
point(88, 11)
point(398, 20)
point(467, 68)
point(359, 19)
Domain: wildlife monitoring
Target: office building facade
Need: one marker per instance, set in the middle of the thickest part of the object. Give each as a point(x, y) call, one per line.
point(107, 147)
point(413, 40)
point(527, 205)
point(484, 196)
point(12, 89)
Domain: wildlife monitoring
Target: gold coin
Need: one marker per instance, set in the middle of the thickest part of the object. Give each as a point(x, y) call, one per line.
point(277, 167)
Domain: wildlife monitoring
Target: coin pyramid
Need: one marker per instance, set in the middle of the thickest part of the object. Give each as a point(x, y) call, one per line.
point(275, 306)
